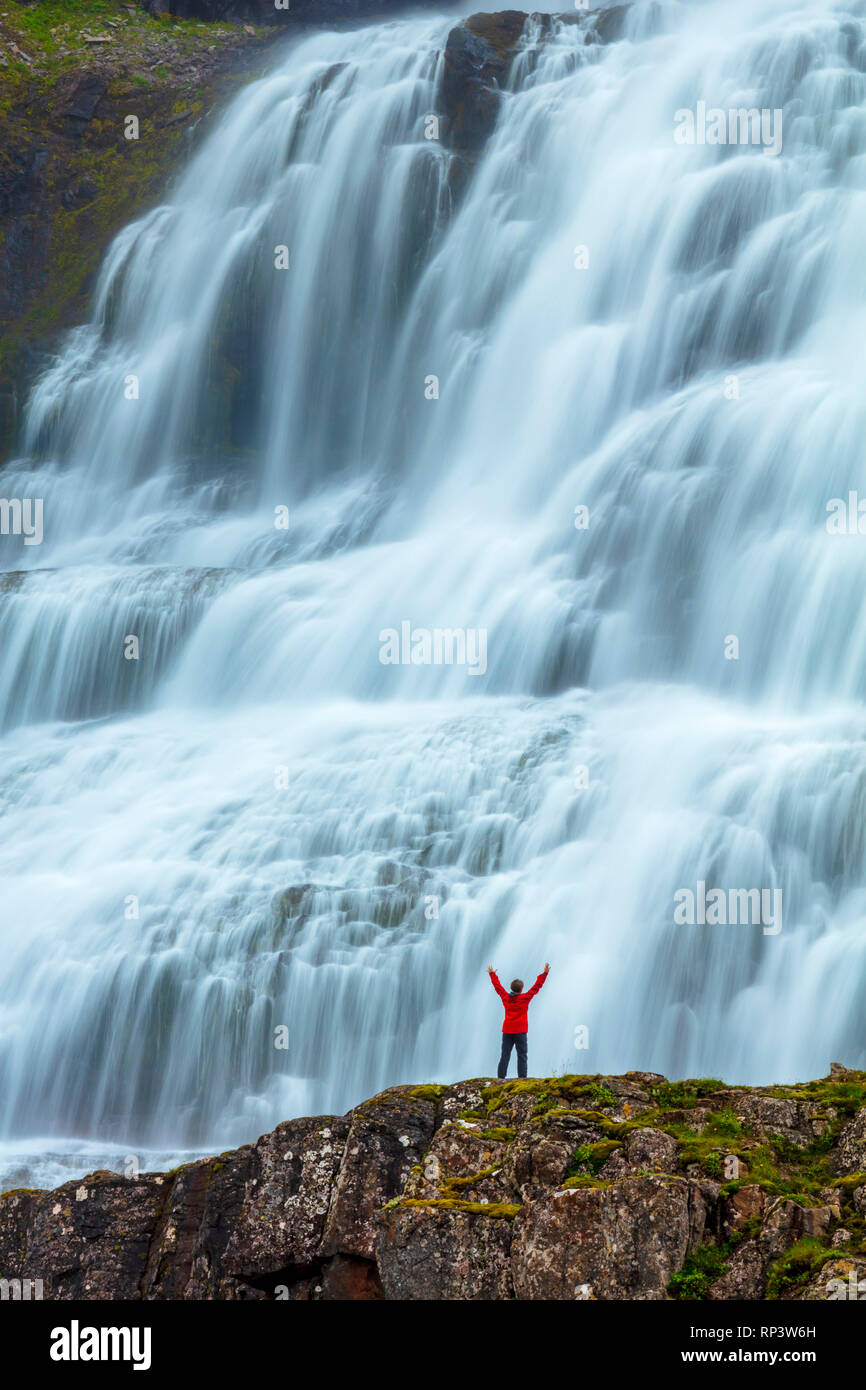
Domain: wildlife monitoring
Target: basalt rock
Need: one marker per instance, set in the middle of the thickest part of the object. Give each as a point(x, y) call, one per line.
point(619, 1242)
point(476, 65)
point(569, 1188)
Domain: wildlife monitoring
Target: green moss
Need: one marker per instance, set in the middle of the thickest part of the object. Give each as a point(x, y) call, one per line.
point(585, 1180)
point(433, 1092)
point(795, 1267)
point(846, 1096)
point(693, 1281)
point(708, 1263)
point(684, 1095)
point(499, 1135)
point(612, 1129)
point(457, 1184)
point(848, 1186)
point(589, 1158)
point(113, 179)
point(495, 1209)
point(723, 1122)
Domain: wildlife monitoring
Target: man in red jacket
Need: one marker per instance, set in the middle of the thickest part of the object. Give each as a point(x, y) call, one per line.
point(516, 1024)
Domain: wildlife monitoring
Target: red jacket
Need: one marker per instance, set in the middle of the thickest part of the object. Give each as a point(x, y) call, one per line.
point(516, 1005)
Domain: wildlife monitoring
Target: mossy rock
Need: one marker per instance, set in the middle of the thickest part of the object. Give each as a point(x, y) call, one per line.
point(497, 1210)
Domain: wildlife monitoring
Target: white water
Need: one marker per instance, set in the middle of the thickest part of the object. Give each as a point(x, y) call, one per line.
point(304, 904)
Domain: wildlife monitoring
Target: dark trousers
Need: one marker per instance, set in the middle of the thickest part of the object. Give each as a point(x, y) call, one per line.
point(510, 1040)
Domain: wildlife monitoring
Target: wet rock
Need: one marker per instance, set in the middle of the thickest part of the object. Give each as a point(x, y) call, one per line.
point(420, 1193)
point(82, 102)
point(186, 1248)
point(348, 1279)
point(608, 25)
point(630, 1100)
point(457, 1155)
point(747, 1204)
point(465, 1096)
point(646, 1079)
point(766, 1115)
point(87, 1239)
point(475, 65)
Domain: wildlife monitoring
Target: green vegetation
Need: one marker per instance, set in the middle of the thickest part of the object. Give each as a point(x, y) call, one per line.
point(551, 1093)
point(91, 179)
point(693, 1281)
point(708, 1264)
point(434, 1093)
point(684, 1095)
point(53, 34)
point(589, 1158)
point(795, 1267)
point(706, 1139)
point(495, 1209)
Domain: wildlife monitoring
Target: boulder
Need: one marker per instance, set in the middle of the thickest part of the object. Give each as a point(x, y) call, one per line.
point(543, 1151)
point(745, 1276)
point(850, 1156)
point(624, 1241)
point(475, 66)
point(288, 1197)
point(387, 1136)
point(642, 1151)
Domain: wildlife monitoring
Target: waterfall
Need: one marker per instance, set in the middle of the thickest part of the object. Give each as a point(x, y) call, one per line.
point(595, 399)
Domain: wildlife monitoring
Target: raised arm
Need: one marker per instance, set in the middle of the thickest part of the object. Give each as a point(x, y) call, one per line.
point(494, 980)
point(530, 993)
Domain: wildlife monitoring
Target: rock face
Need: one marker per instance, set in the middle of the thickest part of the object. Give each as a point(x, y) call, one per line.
point(624, 1241)
point(477, 61)
point(569, 1188)
point(69, 177)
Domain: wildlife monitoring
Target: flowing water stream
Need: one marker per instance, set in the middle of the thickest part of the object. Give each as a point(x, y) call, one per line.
point(258, 823)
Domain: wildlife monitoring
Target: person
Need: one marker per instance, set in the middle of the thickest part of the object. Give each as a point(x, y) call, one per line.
point(516, 1024)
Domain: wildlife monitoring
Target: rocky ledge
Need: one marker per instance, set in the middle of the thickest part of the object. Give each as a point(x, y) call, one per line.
point(572, 1187)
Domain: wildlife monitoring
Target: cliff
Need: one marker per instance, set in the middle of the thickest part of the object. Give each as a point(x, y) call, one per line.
point(70, 176)
point(575, 1187)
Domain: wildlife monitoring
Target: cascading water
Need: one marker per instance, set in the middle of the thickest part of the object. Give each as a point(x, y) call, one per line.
point(258, 823)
